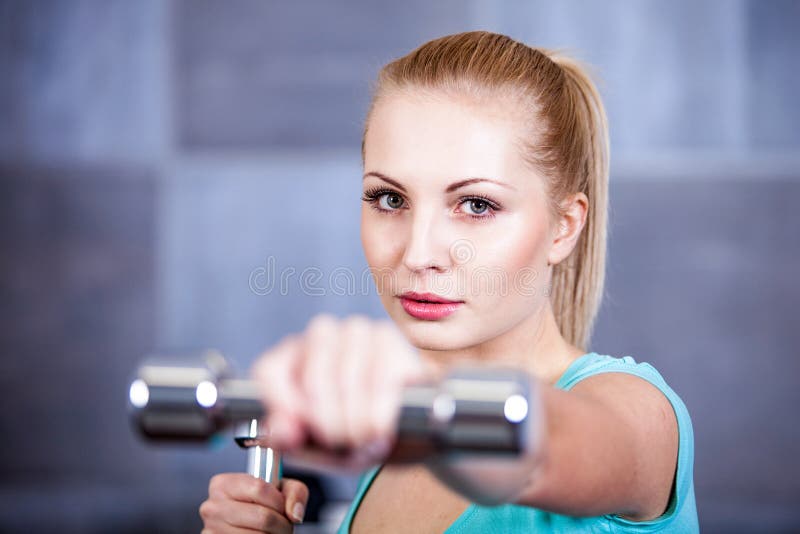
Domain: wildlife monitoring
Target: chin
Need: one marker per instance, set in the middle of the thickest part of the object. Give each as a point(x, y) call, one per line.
point(433, 335)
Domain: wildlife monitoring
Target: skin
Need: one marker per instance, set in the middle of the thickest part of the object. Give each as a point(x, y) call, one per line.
point(610, 443)
point(426, 144)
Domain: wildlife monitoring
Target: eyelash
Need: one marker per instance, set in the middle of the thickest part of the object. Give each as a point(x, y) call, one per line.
point(372, 196)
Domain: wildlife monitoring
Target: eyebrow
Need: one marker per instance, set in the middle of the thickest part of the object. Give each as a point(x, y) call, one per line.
point(450, 188)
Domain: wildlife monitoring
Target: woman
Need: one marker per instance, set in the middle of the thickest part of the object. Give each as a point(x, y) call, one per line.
point(485, 162)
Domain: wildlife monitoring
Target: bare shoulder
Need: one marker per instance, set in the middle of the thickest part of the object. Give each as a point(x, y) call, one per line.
point(652, 426)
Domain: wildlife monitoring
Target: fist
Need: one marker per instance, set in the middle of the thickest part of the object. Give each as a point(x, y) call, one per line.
point(338, 384)
point(238, 502)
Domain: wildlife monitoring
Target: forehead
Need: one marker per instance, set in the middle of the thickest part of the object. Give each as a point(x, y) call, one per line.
point(436, 137)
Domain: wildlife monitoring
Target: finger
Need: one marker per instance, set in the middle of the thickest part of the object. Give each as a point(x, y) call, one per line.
point(356, 378)
point(285, 431)
point(276, 373)
point(215, 527)
point(275, 369)
point(398, 363)
point(321, 355)
point(296, 494)
point(227, 513)
point(212, 524)
point(245, 488)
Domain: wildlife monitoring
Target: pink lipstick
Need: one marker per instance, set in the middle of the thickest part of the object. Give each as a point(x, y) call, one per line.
point(428, 306)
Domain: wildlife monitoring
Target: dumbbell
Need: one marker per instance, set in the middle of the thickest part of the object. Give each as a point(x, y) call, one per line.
point(483, 411)
point(191, 398)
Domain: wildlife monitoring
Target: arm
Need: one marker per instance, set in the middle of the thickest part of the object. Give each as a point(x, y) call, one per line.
point(608, 446)
point(611, 446)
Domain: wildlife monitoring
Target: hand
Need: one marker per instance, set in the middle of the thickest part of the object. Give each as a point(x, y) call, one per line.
point(339, 384)
point(240, 503)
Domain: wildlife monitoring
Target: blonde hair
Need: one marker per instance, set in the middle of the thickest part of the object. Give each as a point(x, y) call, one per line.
point(566, 139)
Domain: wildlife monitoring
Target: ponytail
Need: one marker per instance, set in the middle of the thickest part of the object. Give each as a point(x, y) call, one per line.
point(578, 281)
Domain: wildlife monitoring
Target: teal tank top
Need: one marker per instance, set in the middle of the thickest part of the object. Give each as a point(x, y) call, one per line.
point(681, 513)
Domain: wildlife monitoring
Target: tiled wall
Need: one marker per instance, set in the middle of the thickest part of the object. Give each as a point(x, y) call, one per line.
point(156, 156)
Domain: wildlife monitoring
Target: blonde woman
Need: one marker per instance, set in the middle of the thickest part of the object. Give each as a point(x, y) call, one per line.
point(485, 161)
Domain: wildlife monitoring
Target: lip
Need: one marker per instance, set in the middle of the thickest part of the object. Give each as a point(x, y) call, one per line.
point(428, 306)
point(428, 297)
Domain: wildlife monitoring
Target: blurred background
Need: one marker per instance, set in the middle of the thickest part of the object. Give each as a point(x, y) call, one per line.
point(157, 158)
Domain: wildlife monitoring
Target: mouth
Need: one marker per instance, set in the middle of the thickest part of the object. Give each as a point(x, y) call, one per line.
point(427, 306)
point(429, 298)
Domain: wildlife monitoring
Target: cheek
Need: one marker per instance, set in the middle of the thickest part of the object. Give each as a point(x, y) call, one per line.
point(380, 252)
point(518, 251)
point(524, 245)
point(526, 250)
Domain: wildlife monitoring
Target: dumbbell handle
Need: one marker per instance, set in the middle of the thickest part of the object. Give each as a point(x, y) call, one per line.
point(473, 409)
point(262, 461)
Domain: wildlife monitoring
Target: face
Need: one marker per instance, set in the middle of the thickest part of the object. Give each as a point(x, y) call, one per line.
point(451, 209)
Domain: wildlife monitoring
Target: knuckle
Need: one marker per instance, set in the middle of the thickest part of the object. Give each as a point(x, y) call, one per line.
point(267, 519)
point(265, 489)
point(288, 345)
point(256, 488)
point(276, 353)
point(273, 521)
point(206, 510)
point(322, 321)
point(263, 365)
point(358, 321)
point(291, 341)
point(216, 482)
point(320, 340)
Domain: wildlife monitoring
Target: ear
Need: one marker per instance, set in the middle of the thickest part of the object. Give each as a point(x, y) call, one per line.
point(568, 228)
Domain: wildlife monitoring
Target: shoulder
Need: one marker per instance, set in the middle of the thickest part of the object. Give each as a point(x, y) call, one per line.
point(631, 396)
point(655, 419)
point(620, 381)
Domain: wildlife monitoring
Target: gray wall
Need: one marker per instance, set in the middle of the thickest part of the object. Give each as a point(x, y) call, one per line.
point(155, 155)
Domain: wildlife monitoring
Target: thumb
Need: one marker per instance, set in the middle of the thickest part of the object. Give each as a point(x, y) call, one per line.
point(296, 495)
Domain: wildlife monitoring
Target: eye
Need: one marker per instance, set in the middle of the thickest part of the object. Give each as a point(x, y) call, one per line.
point(383, 199)
point(390, 201)
point(477, 206)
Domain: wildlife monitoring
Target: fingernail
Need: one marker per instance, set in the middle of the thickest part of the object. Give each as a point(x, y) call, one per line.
point(298, 510)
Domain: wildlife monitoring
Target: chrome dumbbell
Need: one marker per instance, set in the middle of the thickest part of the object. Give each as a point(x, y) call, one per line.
point(473, 410)
point(192, 398)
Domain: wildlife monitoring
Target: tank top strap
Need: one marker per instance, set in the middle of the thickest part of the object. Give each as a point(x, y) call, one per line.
point(364, 482)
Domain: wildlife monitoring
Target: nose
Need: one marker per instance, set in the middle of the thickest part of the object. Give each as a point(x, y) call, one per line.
point(427, 247)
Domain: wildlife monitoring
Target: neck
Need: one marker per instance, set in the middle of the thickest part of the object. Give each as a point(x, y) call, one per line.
point(535, 344)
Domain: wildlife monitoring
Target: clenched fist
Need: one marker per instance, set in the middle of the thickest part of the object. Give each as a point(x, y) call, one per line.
point(239, 503)
point(338, 384)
